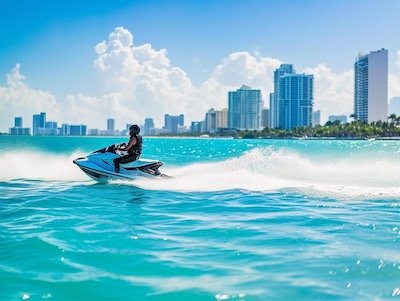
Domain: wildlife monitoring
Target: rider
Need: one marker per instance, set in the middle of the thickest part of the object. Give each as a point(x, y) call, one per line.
point(134, 147)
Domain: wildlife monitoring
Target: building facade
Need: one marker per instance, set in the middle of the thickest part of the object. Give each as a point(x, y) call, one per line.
point(371, 86)
point(18, 128)
point(197, 127)
point(274, 105)
point(244, 107)
point(38, 124)
point(51, 128)
point(148, 126)
point(73, 130)
point(222, 119)
point(18, 122)
point(265, 123)
point(316, 118)
point(211, 121)
point(295, 99)
point(291, 103)
point(173, 122)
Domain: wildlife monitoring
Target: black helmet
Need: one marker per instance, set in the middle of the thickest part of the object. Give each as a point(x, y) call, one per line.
point(134, 130)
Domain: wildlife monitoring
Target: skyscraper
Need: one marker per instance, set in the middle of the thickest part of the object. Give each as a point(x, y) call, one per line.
point(38, 124)
point(173, 122)
point(222, 118)
point(274, 104)
point(18, 129)
point(273, 111)
point(265, 123)
point(211, 120)
point(371, 86)
point(291, 104)
point(148, 126)
point(18, 122)
point(244, 107)
point(110, 126)
point(295, 100)
point(316, 118)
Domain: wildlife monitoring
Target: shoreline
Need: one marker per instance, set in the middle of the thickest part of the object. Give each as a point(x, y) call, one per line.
point(220, 137)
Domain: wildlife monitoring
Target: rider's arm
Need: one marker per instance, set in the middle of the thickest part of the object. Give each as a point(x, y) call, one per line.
point(131, 143)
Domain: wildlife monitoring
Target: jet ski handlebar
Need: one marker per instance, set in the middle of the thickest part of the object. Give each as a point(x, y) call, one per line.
point(112, 148)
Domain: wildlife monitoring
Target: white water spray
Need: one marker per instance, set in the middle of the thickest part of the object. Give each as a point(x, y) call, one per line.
point(256, 170)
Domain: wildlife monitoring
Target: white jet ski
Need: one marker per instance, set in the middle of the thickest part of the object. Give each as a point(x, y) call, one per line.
point(99, 165)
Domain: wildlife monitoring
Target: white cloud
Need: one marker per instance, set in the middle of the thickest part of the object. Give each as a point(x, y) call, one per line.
point(333, 93)
point(394, 80)
point(143, 77)
point(17, 98)
point(140, 82)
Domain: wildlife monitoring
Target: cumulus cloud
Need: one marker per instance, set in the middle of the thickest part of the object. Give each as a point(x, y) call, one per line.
point(394, 80)
point(333, 93)
point(140, 81)
point(17, 98)
point(146, 82)
point(152, 86)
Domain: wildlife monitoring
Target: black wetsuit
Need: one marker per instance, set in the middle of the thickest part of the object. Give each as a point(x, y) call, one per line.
point(133, 153)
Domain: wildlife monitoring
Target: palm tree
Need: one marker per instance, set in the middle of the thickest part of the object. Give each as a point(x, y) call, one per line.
point(392, 117)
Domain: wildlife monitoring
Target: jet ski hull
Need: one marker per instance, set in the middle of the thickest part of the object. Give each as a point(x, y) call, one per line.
point(100, 167)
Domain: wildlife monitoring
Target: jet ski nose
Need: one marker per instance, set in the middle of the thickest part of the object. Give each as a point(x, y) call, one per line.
point(77, 160)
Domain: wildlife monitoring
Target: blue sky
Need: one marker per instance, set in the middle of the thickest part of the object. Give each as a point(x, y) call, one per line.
point(54, 40)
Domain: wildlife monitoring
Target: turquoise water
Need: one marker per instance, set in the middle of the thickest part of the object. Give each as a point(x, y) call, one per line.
point(240, 220)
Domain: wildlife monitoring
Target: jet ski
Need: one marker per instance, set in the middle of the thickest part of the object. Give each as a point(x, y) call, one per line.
point(99, 165)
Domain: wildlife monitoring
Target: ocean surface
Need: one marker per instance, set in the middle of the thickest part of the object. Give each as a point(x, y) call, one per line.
point(239, 220)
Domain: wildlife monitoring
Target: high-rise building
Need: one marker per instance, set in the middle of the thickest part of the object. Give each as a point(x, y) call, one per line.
point(148, 126)
point(51, 128)
point(18, 122)
point(273, 111)
point(244, 107)
point(173, 122)
point(197, 127)
point(18, 129)
point(211, 121)
point(371, 86)
point(295, 100)
point(77, 130)
point(274, 104)
point(73, 130)
point(222, 118)
point(265, 123)
point(340, 118)
point(316, 118)
point(38, 124)
point(110, 126)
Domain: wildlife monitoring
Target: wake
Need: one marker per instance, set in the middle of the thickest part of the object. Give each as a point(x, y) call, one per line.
point(38, 166)
point(272, 170)
point(257, 170)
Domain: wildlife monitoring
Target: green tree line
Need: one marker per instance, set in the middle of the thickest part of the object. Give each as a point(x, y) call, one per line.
point(354, 129)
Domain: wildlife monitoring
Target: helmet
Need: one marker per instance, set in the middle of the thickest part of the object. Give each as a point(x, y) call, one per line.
point(134, 130)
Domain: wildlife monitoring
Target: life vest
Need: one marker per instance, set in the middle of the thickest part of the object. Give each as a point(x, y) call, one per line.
point(137, 148)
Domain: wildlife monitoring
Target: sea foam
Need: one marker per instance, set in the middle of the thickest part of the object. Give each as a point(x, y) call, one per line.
point(261, 169)
point(33, 165)
point(269, 170)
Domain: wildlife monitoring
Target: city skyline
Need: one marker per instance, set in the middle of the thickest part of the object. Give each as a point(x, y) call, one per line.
point(124, 69)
